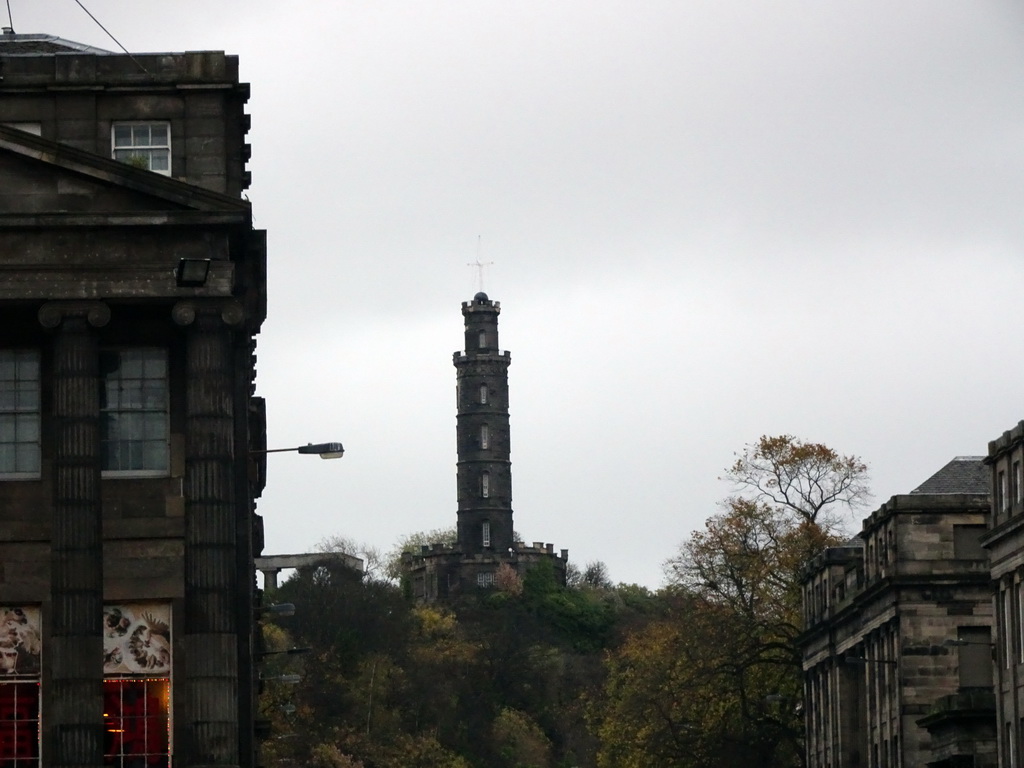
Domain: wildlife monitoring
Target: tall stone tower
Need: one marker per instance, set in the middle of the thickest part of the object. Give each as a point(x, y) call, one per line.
point(484, 467)
point(485, 540)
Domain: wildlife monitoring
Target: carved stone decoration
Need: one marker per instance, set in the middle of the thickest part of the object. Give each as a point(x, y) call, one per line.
point(231, 312)
point(53, 313)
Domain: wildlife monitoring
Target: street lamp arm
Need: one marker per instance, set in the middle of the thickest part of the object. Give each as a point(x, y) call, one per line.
point(324, 450)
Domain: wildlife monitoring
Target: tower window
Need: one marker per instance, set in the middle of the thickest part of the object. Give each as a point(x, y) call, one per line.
point(485, 531)
point(143, 145)
point(483, 340)
point(19, 413)
point(483, 394)
point(485, 484)
point(485, 437)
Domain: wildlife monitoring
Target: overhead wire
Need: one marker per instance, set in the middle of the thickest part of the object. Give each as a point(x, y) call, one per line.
point(108, 34)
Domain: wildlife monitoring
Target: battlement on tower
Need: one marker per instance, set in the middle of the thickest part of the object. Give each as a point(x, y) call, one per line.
point(459, 356)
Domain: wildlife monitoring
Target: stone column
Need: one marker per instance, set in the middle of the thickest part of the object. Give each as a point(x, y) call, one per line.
point(211, 725)
point(74, 716)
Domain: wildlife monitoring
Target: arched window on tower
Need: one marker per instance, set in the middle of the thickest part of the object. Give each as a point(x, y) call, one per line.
point(485, 531)
point(485, 484)
point(483, 394)
point(485, 437)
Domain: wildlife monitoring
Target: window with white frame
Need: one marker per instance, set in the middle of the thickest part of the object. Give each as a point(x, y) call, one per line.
point(483, 394)
point(1018, 483)
point(485, 580)
point(19, 413)
point(143, 145)
point(20, 651)
point(133, 409)
point(1003, 500)
point(485, 533)
point(485, 484)
point(485, 437)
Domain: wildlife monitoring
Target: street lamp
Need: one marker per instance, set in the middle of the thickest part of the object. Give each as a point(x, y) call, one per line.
point(324, 450)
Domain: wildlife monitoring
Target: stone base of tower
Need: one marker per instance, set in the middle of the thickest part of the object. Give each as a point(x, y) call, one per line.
point(443, 572)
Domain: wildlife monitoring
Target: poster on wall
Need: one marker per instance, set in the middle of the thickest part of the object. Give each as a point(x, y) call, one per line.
point(20, 641)
point(137, 639)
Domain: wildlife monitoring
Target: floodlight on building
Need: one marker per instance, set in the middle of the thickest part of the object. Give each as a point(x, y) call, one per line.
point(323, 450)
point(192, 273)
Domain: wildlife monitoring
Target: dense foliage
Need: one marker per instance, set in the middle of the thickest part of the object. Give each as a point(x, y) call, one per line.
point(532, 674)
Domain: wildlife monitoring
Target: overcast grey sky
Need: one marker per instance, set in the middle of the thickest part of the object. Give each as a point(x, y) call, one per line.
point(709, 220)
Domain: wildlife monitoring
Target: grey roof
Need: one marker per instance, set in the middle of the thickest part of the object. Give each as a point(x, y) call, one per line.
point(41, 45)
point(964, 474)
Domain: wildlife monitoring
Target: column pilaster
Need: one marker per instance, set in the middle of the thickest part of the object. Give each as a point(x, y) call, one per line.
point(74, 716)
point(211, 655)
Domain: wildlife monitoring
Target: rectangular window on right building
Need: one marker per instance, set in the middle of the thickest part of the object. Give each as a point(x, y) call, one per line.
point(143, 145)
point(19, 413)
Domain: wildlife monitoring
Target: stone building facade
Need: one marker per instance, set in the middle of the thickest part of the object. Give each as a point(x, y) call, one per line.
point(1005, 544)
point(485, 540)
point(896, 647)
point(133, 284)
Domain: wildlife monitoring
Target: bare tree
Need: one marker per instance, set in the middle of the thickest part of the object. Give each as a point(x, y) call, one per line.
point(805, 478)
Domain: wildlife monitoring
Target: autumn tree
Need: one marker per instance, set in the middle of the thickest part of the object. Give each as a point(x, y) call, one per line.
point(731, 644)
point(807, 479)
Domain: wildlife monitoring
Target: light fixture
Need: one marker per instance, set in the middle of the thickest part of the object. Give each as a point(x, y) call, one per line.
point(192, 273)
point(324, 450)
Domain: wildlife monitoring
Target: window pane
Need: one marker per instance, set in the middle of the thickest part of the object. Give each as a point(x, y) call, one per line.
point(140, 135)
point(7, 458)
point(27, 459)
point(159, 160)
point(122, 135)
point(27, 428)
point(158, 135)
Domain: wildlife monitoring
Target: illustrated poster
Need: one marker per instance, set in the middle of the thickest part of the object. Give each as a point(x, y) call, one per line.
point(137, 639)
point(20, 641)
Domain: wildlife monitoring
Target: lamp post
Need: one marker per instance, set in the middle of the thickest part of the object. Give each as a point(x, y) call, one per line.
point(256, 652)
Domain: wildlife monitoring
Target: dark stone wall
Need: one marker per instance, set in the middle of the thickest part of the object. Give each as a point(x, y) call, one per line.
point(208, 125)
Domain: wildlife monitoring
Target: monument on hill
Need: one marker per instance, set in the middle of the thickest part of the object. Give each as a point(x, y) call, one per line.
point(485, 540)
